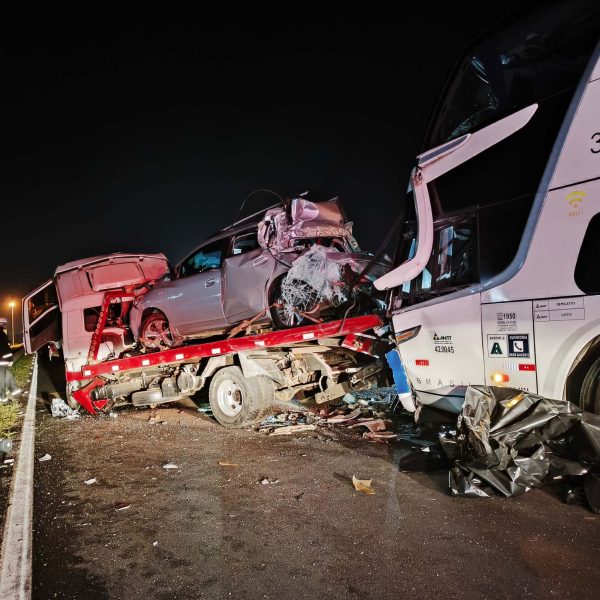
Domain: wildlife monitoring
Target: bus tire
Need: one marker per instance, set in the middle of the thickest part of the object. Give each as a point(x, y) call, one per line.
point(235, 400)
point(590, 388)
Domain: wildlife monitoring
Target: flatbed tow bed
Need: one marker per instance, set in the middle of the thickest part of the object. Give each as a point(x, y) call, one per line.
point(248, 376)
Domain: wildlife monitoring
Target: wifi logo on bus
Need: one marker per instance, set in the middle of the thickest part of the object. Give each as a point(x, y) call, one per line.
point(574, 199)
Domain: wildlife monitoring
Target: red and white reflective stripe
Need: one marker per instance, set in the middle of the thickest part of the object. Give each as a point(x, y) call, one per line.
point(526, 367)
point(422, 362)
point(196, 352)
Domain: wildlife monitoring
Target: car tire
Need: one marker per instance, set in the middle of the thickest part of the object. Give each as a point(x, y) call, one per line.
point(590, 389)
point(281, 319)
point(238, 401)
point(150, 331)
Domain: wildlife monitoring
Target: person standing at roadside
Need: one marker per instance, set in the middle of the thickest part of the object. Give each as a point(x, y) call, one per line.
point(7, 382)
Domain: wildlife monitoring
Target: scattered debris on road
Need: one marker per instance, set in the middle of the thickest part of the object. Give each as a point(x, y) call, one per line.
point(44, 458)
point(224, 463)
point(169, 466)
point(370, 409)
point(6, 445)
point(508, 441)
point(363, 485)
point(90, 481)
point(290, 429)
point(266, 481)
point(61, 410)
point(122, 505)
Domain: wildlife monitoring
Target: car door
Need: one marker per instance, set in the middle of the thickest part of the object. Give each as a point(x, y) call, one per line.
point(246, 271)
point(41, 317)
point(194, 303)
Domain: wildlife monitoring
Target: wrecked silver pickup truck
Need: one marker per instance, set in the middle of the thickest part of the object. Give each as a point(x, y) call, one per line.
point(284, 267)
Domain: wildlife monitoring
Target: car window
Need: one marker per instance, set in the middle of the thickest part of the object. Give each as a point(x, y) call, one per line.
point(244, 243)
point(205, 259)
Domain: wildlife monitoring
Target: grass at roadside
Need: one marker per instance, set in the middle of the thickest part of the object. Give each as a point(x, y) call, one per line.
point(21, 368)
point(8, 416)
point(9, 411)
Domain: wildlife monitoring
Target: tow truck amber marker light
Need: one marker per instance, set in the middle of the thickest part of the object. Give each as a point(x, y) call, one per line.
point(500, 377)
point(407, 334)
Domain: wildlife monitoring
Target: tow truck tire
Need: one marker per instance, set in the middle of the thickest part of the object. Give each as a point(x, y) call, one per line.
point(235, 400)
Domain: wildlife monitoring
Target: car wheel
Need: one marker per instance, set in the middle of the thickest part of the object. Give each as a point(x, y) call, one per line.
point(155, 333)
point(284, 316)
point(235, 400)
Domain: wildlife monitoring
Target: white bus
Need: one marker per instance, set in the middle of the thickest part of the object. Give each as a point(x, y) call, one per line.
point(498, 280)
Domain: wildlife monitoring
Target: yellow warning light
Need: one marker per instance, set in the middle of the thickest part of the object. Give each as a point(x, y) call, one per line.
point(500, 377)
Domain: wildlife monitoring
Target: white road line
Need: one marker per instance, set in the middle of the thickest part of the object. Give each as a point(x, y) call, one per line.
point(15, 562)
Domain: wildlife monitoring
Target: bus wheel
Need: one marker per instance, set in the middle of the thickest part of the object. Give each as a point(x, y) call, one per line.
point(235, 400)
point(590, 389)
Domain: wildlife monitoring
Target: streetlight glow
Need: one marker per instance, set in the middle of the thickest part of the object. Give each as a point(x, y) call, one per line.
point(11, 304)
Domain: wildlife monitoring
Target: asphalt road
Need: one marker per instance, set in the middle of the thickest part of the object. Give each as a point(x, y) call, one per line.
point(203, 530)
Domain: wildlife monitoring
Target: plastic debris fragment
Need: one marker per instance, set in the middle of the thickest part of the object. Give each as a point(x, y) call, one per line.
point(266, 481)
point(363, 485)
point(169, 466)
point(290, 429)
point(90, 481)
point(122, 505)
point(224, 463)
point(509, 442)
point(5, 445)
point(44, 458)
point(61, 410)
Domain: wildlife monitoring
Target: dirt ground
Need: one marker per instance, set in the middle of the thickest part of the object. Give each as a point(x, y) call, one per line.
point(202, 530)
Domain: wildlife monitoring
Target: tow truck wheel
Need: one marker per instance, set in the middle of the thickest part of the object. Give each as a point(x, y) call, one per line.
point(155, 333)
point(235, 400)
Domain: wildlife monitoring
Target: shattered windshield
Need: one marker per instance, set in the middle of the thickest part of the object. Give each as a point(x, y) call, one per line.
point(517, 66)
point(453, 261)
point(538, 59)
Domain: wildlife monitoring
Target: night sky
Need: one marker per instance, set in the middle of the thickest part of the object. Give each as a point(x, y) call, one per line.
point(126, 133)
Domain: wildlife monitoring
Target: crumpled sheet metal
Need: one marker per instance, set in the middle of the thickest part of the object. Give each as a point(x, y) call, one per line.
point(509, 441)
point(316, 276)
point(280, 230)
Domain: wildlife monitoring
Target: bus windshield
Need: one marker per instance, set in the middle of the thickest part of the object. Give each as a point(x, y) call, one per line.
point(537, 57)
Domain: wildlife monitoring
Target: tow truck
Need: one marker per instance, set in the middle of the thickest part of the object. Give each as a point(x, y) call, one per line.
point(82, 311)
